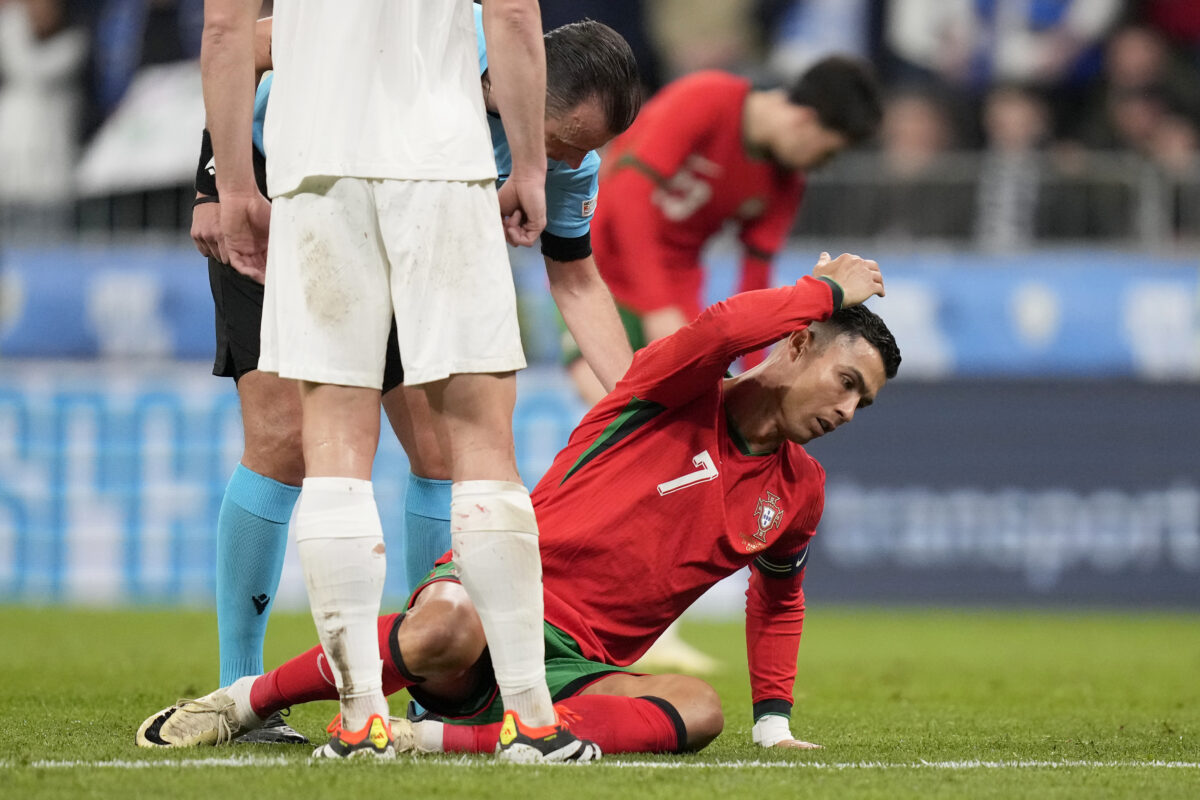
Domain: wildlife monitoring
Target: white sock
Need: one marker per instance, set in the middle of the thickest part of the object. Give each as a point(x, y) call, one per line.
point(340, 542)
point(428, 736)
point(239, 692)
point(496, 551)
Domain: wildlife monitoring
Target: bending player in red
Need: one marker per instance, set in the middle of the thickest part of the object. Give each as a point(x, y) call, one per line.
point(677, 479)
point(709, 150)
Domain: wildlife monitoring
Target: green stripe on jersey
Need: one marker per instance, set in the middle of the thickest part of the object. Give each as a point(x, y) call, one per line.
point(635, 414)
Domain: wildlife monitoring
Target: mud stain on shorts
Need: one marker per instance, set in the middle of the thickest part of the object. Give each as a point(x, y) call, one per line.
point(324, 293)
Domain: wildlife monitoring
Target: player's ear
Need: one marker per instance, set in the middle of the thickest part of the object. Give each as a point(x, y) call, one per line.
point(799, 343)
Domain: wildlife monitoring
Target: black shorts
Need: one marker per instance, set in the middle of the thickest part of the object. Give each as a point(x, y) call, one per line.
point(238, 305)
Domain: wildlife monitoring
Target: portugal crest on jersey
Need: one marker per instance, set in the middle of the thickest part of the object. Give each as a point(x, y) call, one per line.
point(769, 516)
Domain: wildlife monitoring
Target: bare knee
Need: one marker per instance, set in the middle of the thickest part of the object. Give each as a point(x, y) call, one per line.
point(271, 420)
point(700, 708)
point(275, 450)
point(441, 634)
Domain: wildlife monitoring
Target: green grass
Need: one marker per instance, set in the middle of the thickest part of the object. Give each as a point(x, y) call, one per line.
point(892, 688)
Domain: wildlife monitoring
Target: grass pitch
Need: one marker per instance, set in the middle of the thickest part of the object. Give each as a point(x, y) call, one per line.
point(908, 703)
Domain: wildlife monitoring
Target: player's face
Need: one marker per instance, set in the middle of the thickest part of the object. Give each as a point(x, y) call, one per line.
point(803, 143)
point(571, 136)
point(829, 385)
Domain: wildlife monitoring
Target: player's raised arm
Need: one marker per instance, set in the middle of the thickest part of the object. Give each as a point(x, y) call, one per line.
point(517, 76)
point(674, 369)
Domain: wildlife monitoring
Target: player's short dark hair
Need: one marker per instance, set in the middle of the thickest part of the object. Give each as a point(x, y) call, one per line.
point(861, 321)
point(586, 60)
point(844, 93)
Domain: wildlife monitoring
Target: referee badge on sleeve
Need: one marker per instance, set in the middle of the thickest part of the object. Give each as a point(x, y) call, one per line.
point(589, 206)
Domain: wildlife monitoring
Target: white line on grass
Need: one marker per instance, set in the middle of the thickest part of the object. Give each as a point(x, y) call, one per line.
point(277, 761)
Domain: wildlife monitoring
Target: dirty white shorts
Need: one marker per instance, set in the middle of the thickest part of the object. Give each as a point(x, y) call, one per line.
point(344, 253)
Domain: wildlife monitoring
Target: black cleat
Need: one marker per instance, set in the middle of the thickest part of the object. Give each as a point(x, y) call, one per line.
point(273, 731)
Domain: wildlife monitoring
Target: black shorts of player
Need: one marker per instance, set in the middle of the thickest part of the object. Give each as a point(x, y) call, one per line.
point(238, 305)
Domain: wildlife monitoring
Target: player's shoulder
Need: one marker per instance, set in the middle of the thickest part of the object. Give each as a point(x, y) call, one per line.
point(802, 463)
point(560, 171)
point(710, 81)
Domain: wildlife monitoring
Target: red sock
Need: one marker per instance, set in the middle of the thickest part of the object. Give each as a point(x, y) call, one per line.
point(308, 677)
point(616, 724)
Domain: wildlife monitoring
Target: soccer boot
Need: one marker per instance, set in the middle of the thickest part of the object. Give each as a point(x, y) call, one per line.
point(375, 739)
point(210, 720)
point(273, 731)
point(549, 744)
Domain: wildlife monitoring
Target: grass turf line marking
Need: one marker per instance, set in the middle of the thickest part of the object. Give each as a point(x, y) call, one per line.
point(278, 761)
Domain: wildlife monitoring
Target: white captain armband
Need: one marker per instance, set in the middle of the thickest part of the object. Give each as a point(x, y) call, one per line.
point(771, 729)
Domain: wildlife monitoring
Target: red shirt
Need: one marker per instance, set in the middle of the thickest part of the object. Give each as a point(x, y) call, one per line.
point(672, 181)
point(654, 499)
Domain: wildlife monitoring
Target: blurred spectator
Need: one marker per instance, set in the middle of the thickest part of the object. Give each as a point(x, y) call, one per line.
point(929, 40)
point(921, 194)
point(41, 61)
point(798, 33)
point(129, 34)
point(1015, 124)
point(695, 36)
point(965, 47)
point(627, 17)
point(1145, 100)
point(979, 43)
point(1178, 20)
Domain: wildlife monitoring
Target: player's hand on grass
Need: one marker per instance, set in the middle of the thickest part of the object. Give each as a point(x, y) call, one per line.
point(859, 278)
point(796, 744)
point(245, 222)
point(773, 730)
point(523, 208)
point(206, 231)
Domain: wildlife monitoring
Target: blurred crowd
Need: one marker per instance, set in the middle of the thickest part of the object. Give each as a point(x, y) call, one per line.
point(1007, 121)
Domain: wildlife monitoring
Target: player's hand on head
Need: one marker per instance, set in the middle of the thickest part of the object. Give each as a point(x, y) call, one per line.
point(523, 208)
point(245, 222)
point(206, 231)
point(859, 278)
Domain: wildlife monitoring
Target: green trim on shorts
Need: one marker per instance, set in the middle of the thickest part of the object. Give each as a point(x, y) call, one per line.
point(630, 320)
point(567, 671)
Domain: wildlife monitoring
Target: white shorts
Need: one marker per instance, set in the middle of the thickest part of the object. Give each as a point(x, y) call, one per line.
point(345, 253)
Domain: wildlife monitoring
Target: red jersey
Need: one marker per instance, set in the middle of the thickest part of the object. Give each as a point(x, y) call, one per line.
point(655, 498)
point(672, 181)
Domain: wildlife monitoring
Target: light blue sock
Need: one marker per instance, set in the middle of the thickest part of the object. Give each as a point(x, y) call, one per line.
point(426, 526)
point(252, 531)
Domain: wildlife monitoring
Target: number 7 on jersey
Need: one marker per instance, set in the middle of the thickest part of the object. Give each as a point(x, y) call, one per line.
point(706, 473)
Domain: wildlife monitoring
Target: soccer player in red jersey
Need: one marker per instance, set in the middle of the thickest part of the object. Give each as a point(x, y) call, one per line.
point(677, 479)
point(709, 150)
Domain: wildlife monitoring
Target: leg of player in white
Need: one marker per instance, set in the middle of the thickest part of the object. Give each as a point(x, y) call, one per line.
point(457, 328)
point(494, 535)
point(326, 314)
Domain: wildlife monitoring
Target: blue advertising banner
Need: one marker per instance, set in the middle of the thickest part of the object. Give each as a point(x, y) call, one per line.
point(1004, 492)
point(111, 478)
point(1048, 313)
